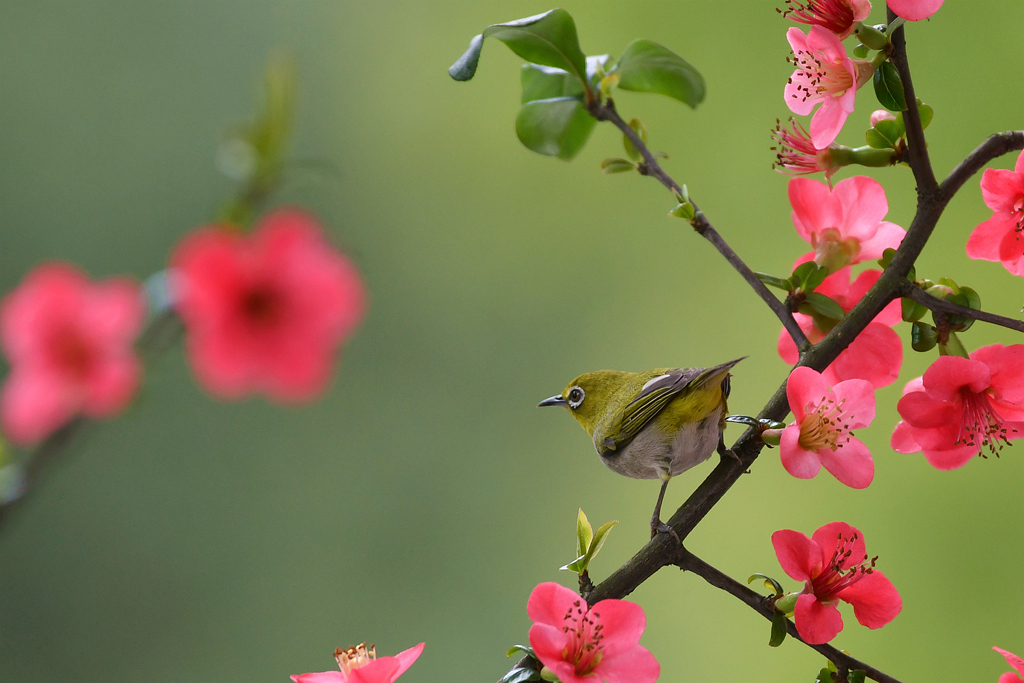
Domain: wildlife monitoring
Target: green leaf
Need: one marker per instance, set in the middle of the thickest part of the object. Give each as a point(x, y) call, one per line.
point(886, 257)
point(600, 536)
point(641, 132)
point(973, 299)
point(617, 165)
point(912, 311)
point(546, 82)
point(860, 51)
point(923, 337)
point(953, 347)
point(822, 305)
point(525, 649)
point(521, 674)
point(549, 39)
point(857, 676)
point(769, 582)
point(824, 676)
point(889, 87)
point(584, 533)
point(646, 66)
point(778, 630)
point(923, 111)
point(558, 126)
point(886, 133)
point(684, 210)
point(779, 283)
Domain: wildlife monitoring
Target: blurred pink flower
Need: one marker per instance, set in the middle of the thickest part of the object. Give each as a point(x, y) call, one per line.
point(69, 343)
point(821, 433)
point(875, 355)
point(843, 224)
point(838, 16)
point(582, 644)
point(266, 312)
point(915, 10)
point(825, 75)
point(999, 238)
point(360, 664)
point(1014, 661)
point(962, 406)
point(833, 564)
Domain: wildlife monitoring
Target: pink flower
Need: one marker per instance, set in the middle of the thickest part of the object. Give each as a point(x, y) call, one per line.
point(844, 224)
point(824, 74)
point(962, 406)
point(266, 312)
point(833, 564)
point(797, 156)
point(915, 10)
point(999, 238)
point(821, 433)
point(838, 16)
point(1014, 661)
point(360, 664)
point(582, 644)
point(877, 352)
point(69, 343)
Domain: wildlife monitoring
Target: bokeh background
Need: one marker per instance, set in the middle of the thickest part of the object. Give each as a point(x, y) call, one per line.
point(425, 496)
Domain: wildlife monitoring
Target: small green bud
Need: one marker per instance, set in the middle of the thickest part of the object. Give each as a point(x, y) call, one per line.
point(608, 83)
point(548, 675)
point(684, 210)
point(787, 603)
point(870, 36)
point(616, 165)
point(772, 437)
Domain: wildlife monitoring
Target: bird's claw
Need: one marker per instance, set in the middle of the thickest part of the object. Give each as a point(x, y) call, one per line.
point(659, 527)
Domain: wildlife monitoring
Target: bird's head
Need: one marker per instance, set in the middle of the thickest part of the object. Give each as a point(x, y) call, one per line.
point(589, 396)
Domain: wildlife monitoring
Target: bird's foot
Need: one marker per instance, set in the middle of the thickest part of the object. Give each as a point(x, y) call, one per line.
point(659, 527)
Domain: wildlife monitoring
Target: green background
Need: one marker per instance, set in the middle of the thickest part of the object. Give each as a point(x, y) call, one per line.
point(424, 496)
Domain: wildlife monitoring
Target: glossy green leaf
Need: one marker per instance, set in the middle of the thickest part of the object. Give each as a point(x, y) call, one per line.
point(824, 676)
point(912, 311)
point(521, 674)
point(584, 533)
point(886, 133)
point(860, 51)
point(787, 603)
point(548, 39)
point(953, 347)
point(684, 210)
point(525, 649)
point(779, 624)
point(886, 257)
point(923, 111)
point(889, 87)
point(600, 536)
point(579, 565)
point(972, 297)
point(554, 127)
point(822, 305)
point(923, 337)
point(546, 82)
point(779, 283)
point(857, 676)
point(769, 582)
point(617, 165)
point(646, 66)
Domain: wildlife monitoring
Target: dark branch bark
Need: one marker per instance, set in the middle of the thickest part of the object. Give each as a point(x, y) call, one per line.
point(918, 149)
point(700, 223)
point(911, 291)
point(763, 606)
point(995, 146)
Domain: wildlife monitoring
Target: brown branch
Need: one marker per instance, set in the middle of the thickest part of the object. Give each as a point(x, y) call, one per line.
point(932, 303)
point(763, 606)
point(919, 161)
point(700, 223)
point(995, 146)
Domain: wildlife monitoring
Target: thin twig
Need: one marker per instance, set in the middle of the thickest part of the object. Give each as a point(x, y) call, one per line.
point(651, 167)
point(920, 164)
point(912, 291)
point(995, 146)
point(763, 605)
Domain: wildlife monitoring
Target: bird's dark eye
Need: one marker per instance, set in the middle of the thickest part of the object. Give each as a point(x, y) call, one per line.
point(576, 396)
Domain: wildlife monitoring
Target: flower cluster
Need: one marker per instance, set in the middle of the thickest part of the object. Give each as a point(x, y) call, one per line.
point(1001, 238)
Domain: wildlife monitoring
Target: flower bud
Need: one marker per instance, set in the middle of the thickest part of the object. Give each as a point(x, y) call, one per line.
point(881, 115)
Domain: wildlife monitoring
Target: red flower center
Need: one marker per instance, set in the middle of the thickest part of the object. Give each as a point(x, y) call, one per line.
point(980, 424)
point(262, 306)
point(824, 78)
point(825, 425)
point(835, 15)
point(71, 353)
point(584, 630)
point(836, 576)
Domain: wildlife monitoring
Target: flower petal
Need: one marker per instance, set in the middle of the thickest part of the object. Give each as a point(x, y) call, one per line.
point(1002, 189)
point(35, 404)
point(915, 10)
point(804, 386)
point(622, 623)
point(380, 670)
point(637, 665)
point(827, 122)
point(875, 600)
point(814, 208)
point(875, 355)
point(948, 374)
point(951, 458)
point(1006, 365)
point(887, 236)
point(549, 643)
point(407, 657)
point(829, 536)
point(921, 411)
point(320, 677)
point(863, 206)
point(799, 556)
point(857, 398)
point(549, 602)
point(816, 622)
point(1012, 659)
point(798, 461)
point(851, 464)
point(902, 440)
point(985, 240)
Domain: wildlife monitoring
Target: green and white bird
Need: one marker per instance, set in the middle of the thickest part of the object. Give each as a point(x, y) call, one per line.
point(654, 424)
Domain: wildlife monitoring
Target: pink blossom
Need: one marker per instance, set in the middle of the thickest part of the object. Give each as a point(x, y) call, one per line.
point(879, 115)
point(825, 75)
point(1014, 661)
point(360, 664)
point(266, 312)
point(960, 407)
point(843, 224)
point(582, 644)
point(69, 343)
point(833, 564)
point(838, 16)
point(797, 156)
point(822, 430)
point(877, 352)
point(999, 238)
point(915, 10)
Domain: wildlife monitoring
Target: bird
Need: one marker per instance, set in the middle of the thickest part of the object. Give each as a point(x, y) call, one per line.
point(654, 424)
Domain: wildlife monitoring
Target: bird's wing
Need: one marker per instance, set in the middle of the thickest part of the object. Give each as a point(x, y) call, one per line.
point(654, 396)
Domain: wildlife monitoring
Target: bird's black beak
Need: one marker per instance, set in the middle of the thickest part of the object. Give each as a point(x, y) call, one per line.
point(553, 401)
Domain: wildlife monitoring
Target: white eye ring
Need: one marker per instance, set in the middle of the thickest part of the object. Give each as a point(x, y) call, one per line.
point(576, 396)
